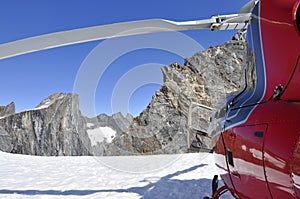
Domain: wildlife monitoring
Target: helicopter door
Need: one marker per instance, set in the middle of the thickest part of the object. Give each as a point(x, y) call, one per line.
point(245, 160)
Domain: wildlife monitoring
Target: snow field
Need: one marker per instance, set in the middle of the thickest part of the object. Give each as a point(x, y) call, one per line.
point(160, 176)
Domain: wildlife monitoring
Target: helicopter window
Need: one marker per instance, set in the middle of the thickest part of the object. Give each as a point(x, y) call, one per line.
point(249, 64)
point(251, 77)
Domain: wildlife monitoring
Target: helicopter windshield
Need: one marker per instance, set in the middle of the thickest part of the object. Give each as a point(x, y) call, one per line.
point(248, 75)
point(240, 87)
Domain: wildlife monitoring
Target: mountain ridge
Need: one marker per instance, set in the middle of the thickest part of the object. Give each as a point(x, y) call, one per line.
point(175, 121)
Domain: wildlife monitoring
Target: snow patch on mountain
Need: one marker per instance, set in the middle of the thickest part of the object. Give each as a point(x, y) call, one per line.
point(100, 134)
point(90, 125)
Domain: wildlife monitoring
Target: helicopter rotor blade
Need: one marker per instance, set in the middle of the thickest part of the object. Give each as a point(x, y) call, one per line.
point(82, 35)
point(76, 36)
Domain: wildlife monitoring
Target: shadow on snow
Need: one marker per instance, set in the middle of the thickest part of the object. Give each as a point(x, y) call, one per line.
point(163, 188)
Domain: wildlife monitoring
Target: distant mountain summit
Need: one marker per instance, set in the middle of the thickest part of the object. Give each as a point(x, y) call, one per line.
point(7, 110)
point(55, 127)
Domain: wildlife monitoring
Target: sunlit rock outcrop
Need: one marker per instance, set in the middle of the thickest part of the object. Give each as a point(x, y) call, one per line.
point(54, 127)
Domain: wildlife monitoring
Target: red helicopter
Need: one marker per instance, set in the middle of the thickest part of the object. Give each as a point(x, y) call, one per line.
point(257, 141)
point(256, 134)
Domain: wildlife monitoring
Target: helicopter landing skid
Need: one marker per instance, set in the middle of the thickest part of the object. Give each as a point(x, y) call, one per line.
point(217, 192)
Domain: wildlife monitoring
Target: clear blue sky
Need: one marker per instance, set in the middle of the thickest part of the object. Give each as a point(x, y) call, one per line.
point(28, 79)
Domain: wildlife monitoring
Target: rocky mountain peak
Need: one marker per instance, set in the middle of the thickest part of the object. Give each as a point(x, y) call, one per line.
point(55, 98)
point(54, 127)
point(7, 110)
point(180, 110)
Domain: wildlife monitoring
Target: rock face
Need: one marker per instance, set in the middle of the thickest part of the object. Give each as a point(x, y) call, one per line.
point(117, 122)
point(179, 113)
point(7, 110)
point(103, 129)
point(54, 127)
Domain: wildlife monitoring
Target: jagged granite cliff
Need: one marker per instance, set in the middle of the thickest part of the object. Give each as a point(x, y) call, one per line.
point(179, 114)
point(54, 127)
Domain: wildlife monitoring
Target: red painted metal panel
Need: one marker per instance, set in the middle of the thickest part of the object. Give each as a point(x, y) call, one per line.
point(292, 91)
point(247, 171)
point(296, 168)
point(278, 155)
point(281, 42)
point(280, 142)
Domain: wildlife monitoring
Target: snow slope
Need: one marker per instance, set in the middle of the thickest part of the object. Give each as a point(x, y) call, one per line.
point(161, 176)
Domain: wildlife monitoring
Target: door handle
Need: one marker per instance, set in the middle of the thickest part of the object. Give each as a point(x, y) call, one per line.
point(259, 134)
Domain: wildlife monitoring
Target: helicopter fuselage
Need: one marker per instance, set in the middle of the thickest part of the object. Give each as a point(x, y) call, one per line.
point(257, 145)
